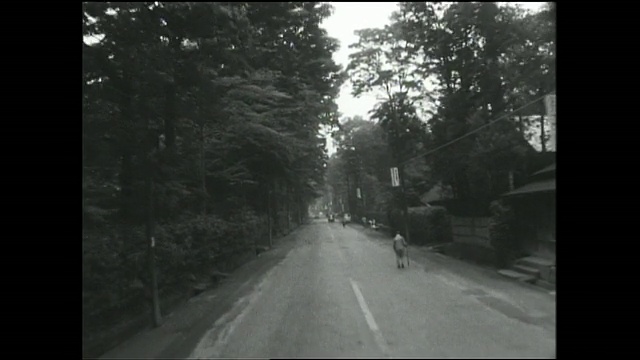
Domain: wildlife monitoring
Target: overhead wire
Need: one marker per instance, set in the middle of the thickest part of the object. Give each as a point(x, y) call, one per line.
point(505, 116)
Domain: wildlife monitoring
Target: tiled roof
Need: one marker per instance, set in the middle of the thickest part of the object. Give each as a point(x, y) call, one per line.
point(534, 187)
point(549, 168)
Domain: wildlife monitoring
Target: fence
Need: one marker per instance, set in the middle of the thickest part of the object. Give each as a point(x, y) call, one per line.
point(471, 230)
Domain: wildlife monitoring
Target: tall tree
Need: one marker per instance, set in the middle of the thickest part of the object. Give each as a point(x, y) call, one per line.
point(382, 64)
point(475, 53)
point(191, 111)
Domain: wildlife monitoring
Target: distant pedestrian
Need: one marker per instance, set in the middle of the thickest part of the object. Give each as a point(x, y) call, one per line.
point(400, 247)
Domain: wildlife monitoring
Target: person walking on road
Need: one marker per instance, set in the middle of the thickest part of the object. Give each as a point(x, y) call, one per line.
point(400, 247)
point(346, 218)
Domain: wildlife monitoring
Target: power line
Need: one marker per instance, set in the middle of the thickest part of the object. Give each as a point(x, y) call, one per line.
point(474, 131)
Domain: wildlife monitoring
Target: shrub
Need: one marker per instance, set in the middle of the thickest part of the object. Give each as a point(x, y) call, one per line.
point(502, 232)
point(429, 225)
point(107, 275)
point(115, 270)
point(379, 217)
point(438, 225)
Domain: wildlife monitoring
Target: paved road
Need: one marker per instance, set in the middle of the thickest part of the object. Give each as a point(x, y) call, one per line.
point(338, 293)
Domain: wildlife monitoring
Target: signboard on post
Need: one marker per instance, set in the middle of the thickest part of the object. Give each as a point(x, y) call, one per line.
point(550, 105)
point(395, 177)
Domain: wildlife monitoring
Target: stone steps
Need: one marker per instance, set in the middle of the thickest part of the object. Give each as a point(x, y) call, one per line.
point(545, 284)
point(535, 262)
point(533, 270)
point(517, 275)
point(527, 270)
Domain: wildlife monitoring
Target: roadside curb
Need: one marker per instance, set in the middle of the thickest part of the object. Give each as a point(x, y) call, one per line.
point(492, 271)
point(425, 250)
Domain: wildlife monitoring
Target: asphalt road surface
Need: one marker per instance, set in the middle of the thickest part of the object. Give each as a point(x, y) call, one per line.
point(338, 293)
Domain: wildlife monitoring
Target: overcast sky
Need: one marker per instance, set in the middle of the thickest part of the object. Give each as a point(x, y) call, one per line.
point(349, 17)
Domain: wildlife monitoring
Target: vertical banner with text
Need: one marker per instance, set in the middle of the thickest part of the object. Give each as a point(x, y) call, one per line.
point(550, 105)
point(395, 177)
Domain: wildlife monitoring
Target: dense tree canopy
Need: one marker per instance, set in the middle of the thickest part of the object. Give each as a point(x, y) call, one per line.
point(201, 124)
point(444, 70)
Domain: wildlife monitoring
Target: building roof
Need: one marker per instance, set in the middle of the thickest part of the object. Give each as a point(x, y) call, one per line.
point(436, 193)
point(534, 187)
point(548, 169)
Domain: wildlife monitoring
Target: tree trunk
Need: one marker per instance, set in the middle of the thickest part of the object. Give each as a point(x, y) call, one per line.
point(203, 172)
point(269, 214)
point(126, 173)
point(150, 230)
point(288, 208)
point(275, 207)
point(542, 135)
point(126, 185)
point(169, 120)
point(511, 184)
point(364, 204)
point(301, 211)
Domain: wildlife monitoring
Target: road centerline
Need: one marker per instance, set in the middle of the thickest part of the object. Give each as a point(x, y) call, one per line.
point(371, 322)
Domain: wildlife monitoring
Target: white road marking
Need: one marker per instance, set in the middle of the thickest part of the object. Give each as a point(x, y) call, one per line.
point(210, 345)
point(370, 320)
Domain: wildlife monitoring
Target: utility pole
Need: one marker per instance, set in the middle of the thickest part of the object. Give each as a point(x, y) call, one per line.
point(399, 170)
point(364, 203)
point(150, 232)
point(348, 196)
point(397, 180)
point(358, 194)
point(151, 149)
point(405, 205)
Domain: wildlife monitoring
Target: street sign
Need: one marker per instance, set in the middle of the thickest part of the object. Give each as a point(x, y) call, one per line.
point(550, 105)
point(395, 177)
